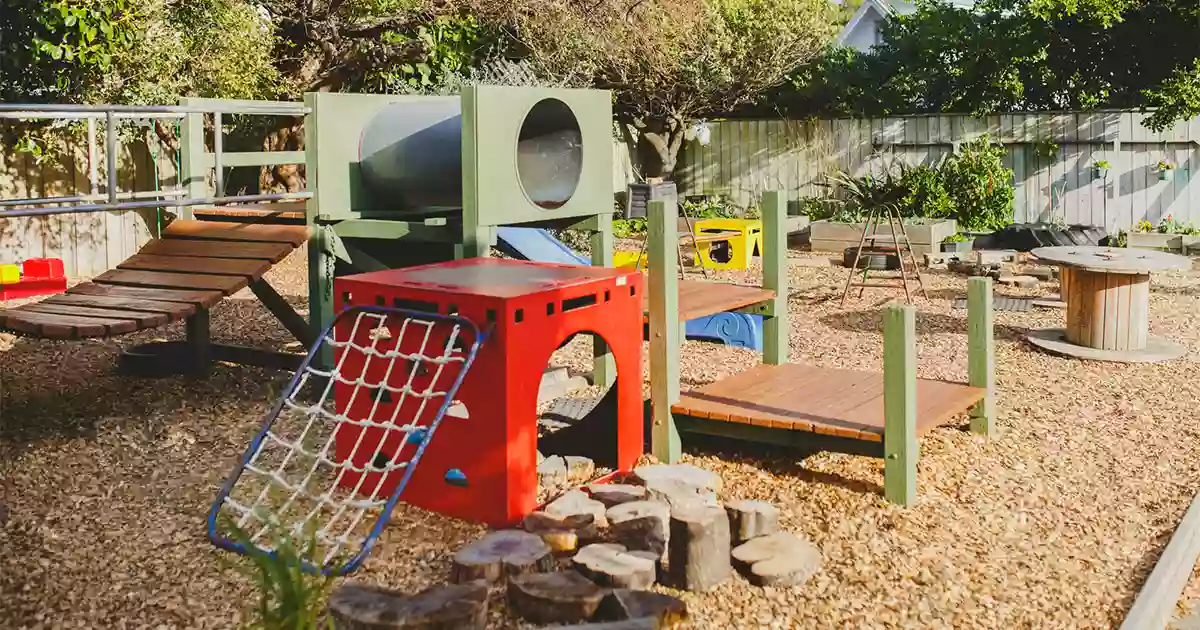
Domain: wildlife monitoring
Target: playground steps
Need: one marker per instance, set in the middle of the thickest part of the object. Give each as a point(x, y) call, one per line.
point(193, 266)
point(700, 298)
point(835, 402)
point(289, 212)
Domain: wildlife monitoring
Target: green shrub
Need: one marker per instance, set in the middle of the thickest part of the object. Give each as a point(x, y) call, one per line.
point(925, 193)
point(982, 187)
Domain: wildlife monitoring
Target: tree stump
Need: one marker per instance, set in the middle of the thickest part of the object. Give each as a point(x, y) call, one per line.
point(561, 597)
point(611, 494)
point(579, 469)
point(698, 554)
point(499, 555)
point(621, 604)
point(645, 623)
point(750, 519)
point(641, 526)
point(361, 607)
point(612, 565)
point(679, 494)
point(575, 503)
point(696, 477)
point(780, 559)
point(563, 535)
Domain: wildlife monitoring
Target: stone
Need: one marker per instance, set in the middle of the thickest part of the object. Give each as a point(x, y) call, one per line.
point(559, 597)
point(1024, 282)
point(645, 623)
point(698, 553)
point(694, 476)
point(641, 526)
point(362, 607)
point(781, 559)
point(1044, 274)
point(991, 256)
point(500, 555)
point(580, 469)
point(552, 471)
point(622, 604)
point(575, 503)
point(564, 535)
point(611, 494)
point(611, 565)
point(750, 519)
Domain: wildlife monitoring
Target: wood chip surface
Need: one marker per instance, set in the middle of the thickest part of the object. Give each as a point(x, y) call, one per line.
point(1055, 524)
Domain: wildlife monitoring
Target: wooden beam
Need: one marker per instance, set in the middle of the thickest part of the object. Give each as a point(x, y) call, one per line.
point(604, 367)
point(775, 277)
point(1155, 604)
point(981, 354)
point(665, 328)
point(900, 404)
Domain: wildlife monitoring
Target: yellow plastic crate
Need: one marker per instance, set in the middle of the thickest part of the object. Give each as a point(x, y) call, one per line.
point(737, 251)
point(623, 260)
point(10, 274)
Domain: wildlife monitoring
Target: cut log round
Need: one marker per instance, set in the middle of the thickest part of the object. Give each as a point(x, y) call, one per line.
point(612, 565)
point(641, 525)
point(679, 494)
point(575, 503)
point(645, 623)
point(564, 535)
point(694, 476)
point(621, 604)
point(750, 519)
point(698, 554)
point(560, 597)
point(361, 607)
point(781, 559)
point(611, 494)
point(501, 554)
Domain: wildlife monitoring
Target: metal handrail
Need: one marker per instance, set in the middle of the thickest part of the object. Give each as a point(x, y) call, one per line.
point(156, 203)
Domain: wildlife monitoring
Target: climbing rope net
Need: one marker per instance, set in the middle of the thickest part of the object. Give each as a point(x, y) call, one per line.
point(339, 446)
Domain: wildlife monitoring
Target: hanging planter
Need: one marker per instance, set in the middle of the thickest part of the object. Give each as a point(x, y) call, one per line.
point(1165, 170)
point(1100, 169)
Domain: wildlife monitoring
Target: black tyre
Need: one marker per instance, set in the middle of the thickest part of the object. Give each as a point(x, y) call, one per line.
point(871, 259)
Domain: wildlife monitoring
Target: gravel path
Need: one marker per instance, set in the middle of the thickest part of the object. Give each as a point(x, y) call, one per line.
point(1053, 525)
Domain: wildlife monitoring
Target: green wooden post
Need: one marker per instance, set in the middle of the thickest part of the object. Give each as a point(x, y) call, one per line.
point(604, 368)
point(900, 405)
point(321, 258)
point(665, 328)
point(193, 175)
point(981, 354)
point(775, 277)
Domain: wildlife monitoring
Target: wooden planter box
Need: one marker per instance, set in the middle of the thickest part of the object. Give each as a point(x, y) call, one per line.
point(1191, 244)
point(926, 238)
point(1154, 240)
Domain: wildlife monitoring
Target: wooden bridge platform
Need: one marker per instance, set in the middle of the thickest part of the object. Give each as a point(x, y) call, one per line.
point(833, 402)
point(699, 298)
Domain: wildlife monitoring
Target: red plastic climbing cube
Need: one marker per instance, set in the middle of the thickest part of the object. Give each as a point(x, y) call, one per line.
point(39, 276)
point(529, 309)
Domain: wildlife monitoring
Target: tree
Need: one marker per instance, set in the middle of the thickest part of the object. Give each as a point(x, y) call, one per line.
point(1014, 55)
point(667, 61)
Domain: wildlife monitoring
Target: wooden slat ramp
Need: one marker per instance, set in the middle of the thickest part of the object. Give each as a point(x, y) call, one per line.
point(193, 266)
point(842, 403)
point(699, 298)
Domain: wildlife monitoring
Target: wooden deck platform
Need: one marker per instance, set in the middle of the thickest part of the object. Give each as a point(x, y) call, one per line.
point(698, 298)
point(280, 211)
point(192, 267)
point(841, 403)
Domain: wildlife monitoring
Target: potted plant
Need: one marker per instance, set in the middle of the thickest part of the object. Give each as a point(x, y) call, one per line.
point(958, 243)
point(1165, 169)
point(1100, 169)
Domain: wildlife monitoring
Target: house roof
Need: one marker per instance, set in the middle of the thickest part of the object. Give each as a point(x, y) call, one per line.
point(887, 8)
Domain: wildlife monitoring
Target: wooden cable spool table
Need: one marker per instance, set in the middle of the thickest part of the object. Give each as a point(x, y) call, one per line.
point(1107, 291)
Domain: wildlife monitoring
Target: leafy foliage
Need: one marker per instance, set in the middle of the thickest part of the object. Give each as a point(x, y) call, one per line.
point(1013, 55)
point(980, 184)
point(289, 599)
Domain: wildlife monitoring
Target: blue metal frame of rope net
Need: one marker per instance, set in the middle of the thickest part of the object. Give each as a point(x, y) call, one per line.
point(224, 542)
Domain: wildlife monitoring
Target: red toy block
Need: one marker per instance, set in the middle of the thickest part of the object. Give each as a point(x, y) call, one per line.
point(528, 310)
point(40, 276)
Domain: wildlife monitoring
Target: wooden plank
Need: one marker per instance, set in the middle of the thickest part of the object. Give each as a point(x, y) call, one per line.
point(47, 326)
point(1124, 322)
point(271, 252)
point(900, 404)
point(225, 284)
point(1155, 603)
point(252, 269)
point(296, 235)
point(142, 319)
point(1139, 312)
point(200, 298)
point(176, 310)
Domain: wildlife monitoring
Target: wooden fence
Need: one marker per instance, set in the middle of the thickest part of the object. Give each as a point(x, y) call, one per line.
point(1050, 154)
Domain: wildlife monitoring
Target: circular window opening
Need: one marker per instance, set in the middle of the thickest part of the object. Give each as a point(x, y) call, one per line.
point(549, 154)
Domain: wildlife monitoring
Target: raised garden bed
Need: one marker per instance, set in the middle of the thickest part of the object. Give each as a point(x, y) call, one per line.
point(926, 236)
point(1170, 242)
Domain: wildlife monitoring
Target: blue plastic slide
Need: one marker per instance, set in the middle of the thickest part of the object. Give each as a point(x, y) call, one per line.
point(732, 329)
